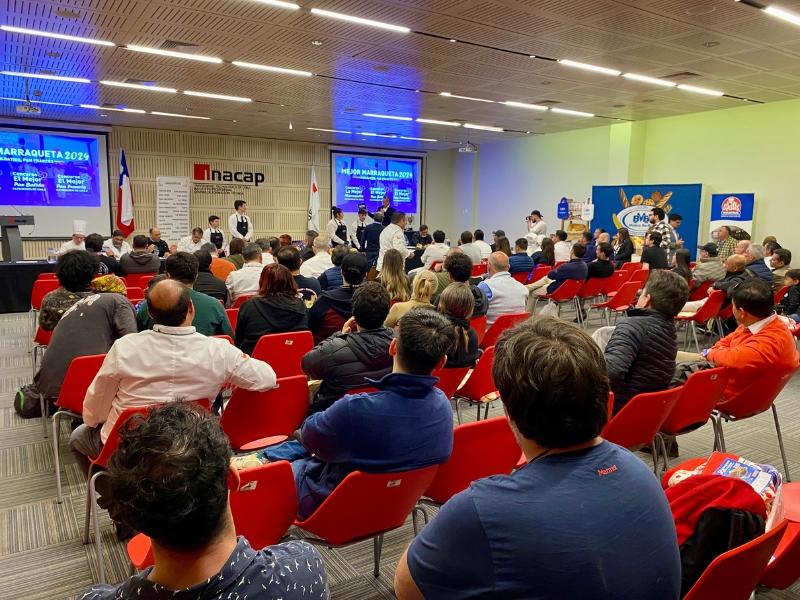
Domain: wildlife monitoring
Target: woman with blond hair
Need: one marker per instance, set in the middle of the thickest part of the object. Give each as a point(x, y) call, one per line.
point(457, 303)
point(424, 287)
point(393, 276)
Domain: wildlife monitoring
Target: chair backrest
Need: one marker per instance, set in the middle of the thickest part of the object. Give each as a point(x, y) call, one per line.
point(364, 505)
point(79, 376)
point(710, 308)
point(701, 392)
point(480, 449)
point(233, 316)
point(242, 299)
point(539, 272)
point(734, 575)
point(521, 276)
point(625, 296)
point(558, 263)
point(112, 442)
point(640, 275)
point(479, 325)
point(135, 294)
point(250, 416)
point(435, 264)
point(140, 280)
point(784, 568)
point(756, 397)
point(227, 338)
point(726, 313)
point(640, 419)
point(480, 382)
point(614, 283)
point(50, 276)
point(450, 379)
point(701, 291)
point(42, 336)
point(567, 290)
point(265, 504)
point(632, 266)
point(780, 294)
point(283, 351)
point(502, 323)
point(592, 287)
point(479, 269)
point(40, 289)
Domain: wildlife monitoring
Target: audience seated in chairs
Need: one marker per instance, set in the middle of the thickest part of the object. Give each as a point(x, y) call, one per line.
point(546, 253)
point(780, 262)
point(602, 267)
point(235, 257)
point(277, 309)
point(393, 276)
point(736, 272)
point(209, 315)
point(520, 262)
point(640, 352)
point(206, 282)
point(169, 479)
point(456, 303)
point(108, 262)
point(709, 267)
point(332, 278)
point(75, 270)
point(790, 303)
point(583, 518)
point(334, 307)
point(406, 424)
point(244, 282)
point(576, 268)
point(321, 261)
point(140, 260)
point(754, 254)
point(421, 293)
point(505, 294)
point(359, 351)
point(653, 254)
point(457, 268)
point(308, 287)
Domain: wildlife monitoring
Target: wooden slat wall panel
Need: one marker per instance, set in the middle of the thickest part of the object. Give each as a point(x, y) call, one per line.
point(277, 206)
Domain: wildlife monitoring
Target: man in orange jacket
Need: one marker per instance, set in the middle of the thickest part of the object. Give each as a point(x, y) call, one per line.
point(760, 346)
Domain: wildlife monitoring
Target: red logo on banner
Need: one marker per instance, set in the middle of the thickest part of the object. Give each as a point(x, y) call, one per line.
point(202, 172)
point(731, 207)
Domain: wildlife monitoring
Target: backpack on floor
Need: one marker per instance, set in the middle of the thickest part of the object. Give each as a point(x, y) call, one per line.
point(27, 403)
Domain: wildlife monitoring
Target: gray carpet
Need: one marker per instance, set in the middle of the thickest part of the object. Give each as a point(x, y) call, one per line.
point(42, 556)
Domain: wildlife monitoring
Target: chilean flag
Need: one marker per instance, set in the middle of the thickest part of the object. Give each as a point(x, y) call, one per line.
point(124, 198)
point(313, 203)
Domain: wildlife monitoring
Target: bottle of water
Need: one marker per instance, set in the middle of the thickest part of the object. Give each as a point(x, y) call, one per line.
point(51, 255)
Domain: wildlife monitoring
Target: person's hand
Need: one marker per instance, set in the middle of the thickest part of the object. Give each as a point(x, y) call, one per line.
point(110, 253)
point(173, 249)
point(710, 290)
point(679, 244)
point(151, 248)
point(350, 326)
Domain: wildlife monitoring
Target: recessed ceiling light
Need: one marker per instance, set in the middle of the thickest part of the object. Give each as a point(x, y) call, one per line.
point(437, 122)
point(359, 20)
point(483, 127)
point(646, 79)
point(573, 113)
point(700, 90)
point(711, 44)
point(449, 95)
point(316, 43)
point(217, 96)
point(137, 86)
point(699, 10)
point(272, 69)
point(328, 130)
point(174, 54)
point(127, 110)
point(588, 67)
point(44, 76)
point(36, 101)
point(380, 135)
point(525, 105)
point(58, 36)
point(782, 14)
point(280, 4)
point(166, 114)
point(417, 139)
point(392, 117)
point(452, 41)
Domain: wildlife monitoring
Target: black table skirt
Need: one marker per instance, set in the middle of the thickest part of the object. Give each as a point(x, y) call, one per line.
point(16, 284)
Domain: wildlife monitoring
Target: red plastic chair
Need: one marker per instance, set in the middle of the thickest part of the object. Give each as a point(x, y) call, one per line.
point(233, 316)
point(41, 288)
point(479, 387)
point(450, 379)
point(242, 299)
point(565, 293)
point(254, 420)
point(734, 574)
point(479, 269)
point(784, 568)
point(227, 338)
point(41, 340)
point(435, 264)
point(263, 504)
point(140, 280)
point(135, 294)
point(614, 283)
point(640, 275)
point(559, 263)
point(752, 400)
point(522, 276)
point(621, 301)
point(502, 323)
point(79, 376)
point(479, 325)
point(591, 289)
point(631, 266)
point(367, 505)
point(49, 276)
point(284, 351)
point(700, 291)
point(539, 272)
point(638, 422)
point(780, 294)
point(707, 312)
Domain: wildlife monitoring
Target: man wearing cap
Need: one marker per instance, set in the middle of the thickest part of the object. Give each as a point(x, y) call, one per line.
point(496, 235)
point(78, 236)
point(709, 266)
point(537, 231)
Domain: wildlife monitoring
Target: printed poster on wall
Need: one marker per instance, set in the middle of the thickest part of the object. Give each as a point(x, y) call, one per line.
point(734, 210)
point(172, 207)
point(629, 206)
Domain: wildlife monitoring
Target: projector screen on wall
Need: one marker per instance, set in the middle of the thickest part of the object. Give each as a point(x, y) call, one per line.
point(56, 176)
point(367, 178)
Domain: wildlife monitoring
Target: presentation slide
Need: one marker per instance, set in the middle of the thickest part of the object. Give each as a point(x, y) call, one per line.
point(56, 176)
point(367, 178)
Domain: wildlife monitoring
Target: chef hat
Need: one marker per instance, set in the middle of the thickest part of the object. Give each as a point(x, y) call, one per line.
point(78, 227)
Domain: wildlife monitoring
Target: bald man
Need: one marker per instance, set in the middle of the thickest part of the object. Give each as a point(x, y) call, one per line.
point(162, 365)
point(736, 272)
point(506, 295)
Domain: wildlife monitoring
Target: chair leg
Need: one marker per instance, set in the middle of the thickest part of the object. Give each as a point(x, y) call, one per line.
point(780, 442)
point(44, 406)
point(98, 541)
point(458, 410)
point(479, 412)
point(486, 411)
point(377, 547)
point(694, 335)
point(56, 456)
point(87, 520)
point(719, 437)
point(655, 451)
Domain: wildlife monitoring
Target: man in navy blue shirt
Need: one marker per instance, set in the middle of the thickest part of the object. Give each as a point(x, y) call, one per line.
point(584, 518)
point(520, 262)
point(574, 269)
point(372, 237)
point(591, 246)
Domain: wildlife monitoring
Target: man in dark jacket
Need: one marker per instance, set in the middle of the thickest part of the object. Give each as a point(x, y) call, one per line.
point(458, 268)
point(736, 272)
point(206, 283)
point(334, 307)
point(520, 262)
point(755, 262)
point(653, 254)
point(602, 267)
point(372, 239)
point(360, 350)
point(640, 355)
point(332, 278)
point(140, 259)
point(574, 269)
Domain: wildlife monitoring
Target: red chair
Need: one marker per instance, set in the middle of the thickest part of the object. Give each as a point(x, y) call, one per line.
point(522, 276)
point(479, 269)
point(780, 294)
point(435, 264)
point(450, 379)
point(140, 280)
point(79, 376)
point(479, 325)
point(284, 351)
point(254, 420)
point(502, 323)
point(565, 293)
point(559, 263)
point(734, 574)
point(367, 505)
point(621, 301)
point(242, 299)
point(640, 275)
point(631, 266)
point(227, 338)
point(707, 312)
point(41, 340)
point(700, 291)
point(479, 387)
point(784, 568)
point(591, 289)
point(263, 504)
point(41, 288)
point(41, 276)
point(614, 283)
point(755, 398)
point(135, 294)
point(539, 272)
point(638, 422)
point(233, 316)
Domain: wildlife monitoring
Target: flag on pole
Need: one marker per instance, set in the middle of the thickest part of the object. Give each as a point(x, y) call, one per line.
point(124, 198)
point(313, 203)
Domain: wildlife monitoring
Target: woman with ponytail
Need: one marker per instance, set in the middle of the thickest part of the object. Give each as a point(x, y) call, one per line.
point(456, 303)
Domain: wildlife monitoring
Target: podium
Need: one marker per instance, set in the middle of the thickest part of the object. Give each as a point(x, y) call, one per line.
point(9, 229)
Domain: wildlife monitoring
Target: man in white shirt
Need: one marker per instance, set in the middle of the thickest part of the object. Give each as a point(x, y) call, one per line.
point(244, 282)
point(436, 251)
point(320, 262)
point(214, 234)
point(192, 243)
point(239, 223)
point(268, 246)
point(537, 231)
point(562, 248)
point(116, 246)
point(162, 365)
point(337, 229)
point(78, 237)
point(485, 248)
point(506, 295)
point(469, 248)
point(393, 236)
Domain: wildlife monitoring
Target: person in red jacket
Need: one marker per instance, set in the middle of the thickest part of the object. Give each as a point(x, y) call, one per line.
point(760, 345)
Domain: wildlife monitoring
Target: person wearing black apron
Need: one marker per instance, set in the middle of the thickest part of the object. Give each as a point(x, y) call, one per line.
point(357, 230)
point(239, 223)
point(214, 234)
point(337, 229)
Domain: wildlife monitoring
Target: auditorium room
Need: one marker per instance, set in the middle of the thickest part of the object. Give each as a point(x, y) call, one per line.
point(287, 286)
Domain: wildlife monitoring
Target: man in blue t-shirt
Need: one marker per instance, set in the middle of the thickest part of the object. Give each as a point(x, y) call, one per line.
point(583, 519)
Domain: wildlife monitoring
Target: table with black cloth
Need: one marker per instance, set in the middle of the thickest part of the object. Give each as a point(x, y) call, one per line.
point(16, 283)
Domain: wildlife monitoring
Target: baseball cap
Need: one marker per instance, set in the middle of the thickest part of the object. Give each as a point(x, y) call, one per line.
point(499, 232)
point(711, 248)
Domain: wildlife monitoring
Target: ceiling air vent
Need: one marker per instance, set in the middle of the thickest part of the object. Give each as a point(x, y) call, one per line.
point(549, 102)
point(681, 75)
point(134, 81)
point(177, 45)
